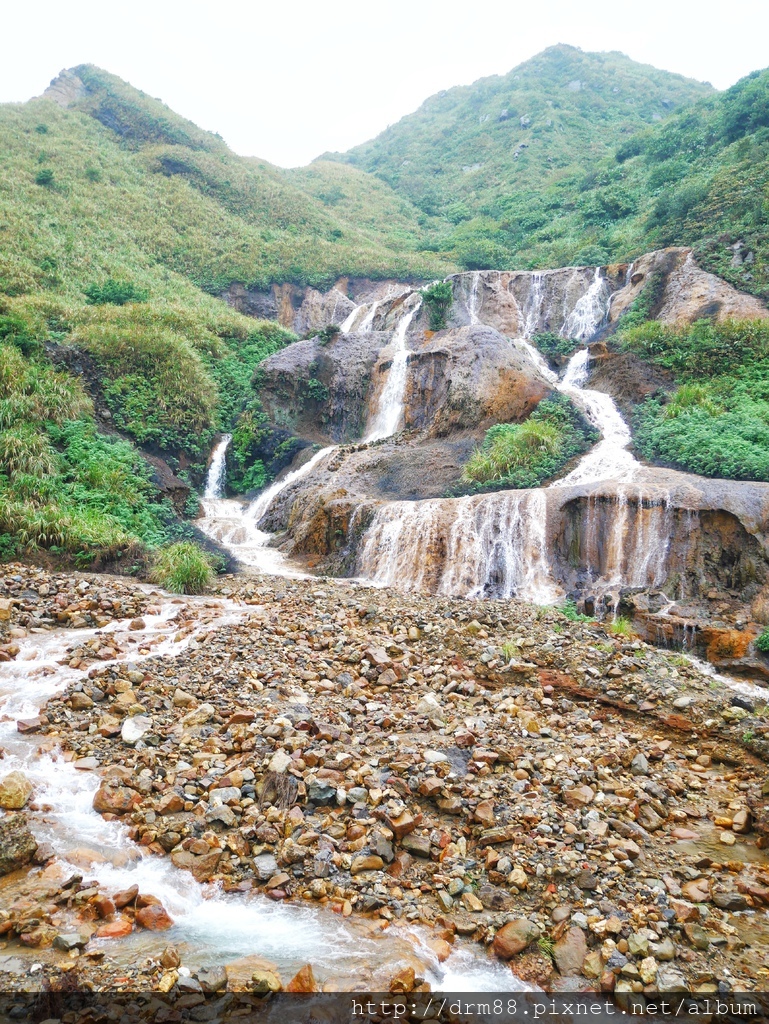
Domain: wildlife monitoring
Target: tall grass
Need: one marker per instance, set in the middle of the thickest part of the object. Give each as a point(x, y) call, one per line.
point(182, 568)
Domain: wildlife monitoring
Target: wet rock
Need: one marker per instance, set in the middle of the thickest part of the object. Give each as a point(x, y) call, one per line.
point(112, 799)
point(303, 981)
point(17, 844)
point(70, 940)
point(15, 791)
point(154, 918)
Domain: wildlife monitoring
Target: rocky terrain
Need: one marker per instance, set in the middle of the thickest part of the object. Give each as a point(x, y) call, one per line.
point(591, 809)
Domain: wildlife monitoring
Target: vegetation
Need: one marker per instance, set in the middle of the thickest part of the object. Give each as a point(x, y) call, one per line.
point(510, 163)
point(621, 626)
point(438, 299)
point(716, 422)
point(182, 568)
point(762, 642)
point(526, 454)
point(552, 345)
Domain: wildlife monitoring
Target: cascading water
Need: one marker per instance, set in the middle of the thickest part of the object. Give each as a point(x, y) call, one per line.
point(472, 299)
point(234, 525)
point(497, 546)
point(390, 408)
point(217, 471)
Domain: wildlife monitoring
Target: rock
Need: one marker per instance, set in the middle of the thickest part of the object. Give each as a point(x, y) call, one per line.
point(669, 979)
point(303, 981)
point(110, 799)
point(6, 607)
point(403, 823)
point(514, 937)
point(134, 728)
point(125, 897)
point(199, 716)
point(731, 901)
point(265, 866)
point(697, 891)
point(570, 951)
point(182, 699)
point(212, 979)
point(117, 929)
point(366, 863)
point(154, 918)
point(17, 844)
point(80, 701)
point(15, 791)
point(419, 846)
point(279, 762)
point(580, 796)
point(70, 940)
point(170, 803)
point(639, 765)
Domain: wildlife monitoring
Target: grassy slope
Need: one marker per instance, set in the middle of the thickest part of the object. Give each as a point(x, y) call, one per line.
point(119, 188)
point(478, 155)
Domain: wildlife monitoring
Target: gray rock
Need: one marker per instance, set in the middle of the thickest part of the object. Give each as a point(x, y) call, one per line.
point(17, 844)
point(265, 866)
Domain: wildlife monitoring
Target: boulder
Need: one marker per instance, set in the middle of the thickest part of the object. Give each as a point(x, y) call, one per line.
point(514, 937)
point(570, 951)
point(154, 917)
point(15, 791)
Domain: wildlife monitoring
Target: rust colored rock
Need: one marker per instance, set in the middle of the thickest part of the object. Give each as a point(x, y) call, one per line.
point(117, 929)
point(125, 896)
point(115, 799)
point(104, 905)
point(514, 937)
point(303, 981)
point(403, 824)
point(170, 803)
point(154, 918)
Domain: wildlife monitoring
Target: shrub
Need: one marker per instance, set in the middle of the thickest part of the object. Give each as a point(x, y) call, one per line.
point(438, 299)
point(526, 454)
point(44, 177)
point(314, 390)
point(551, 344)
point(114, 293)
point(328, 333)
point(621, 626)
point(762, 642)
point(182, 568)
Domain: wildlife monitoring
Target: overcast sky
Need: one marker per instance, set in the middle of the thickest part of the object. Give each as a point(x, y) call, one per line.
point(288, 79)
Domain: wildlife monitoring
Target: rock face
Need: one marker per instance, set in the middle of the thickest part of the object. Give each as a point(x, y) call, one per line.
point(17, 844)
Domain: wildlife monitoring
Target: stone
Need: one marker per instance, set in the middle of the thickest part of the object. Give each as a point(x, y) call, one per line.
point(154, 918)
point(182, 699)
point(368, 862)
point(110, 799)
point(17, 844)
point(125, 897)
point(134, 728)
point(403, 823)
point(170, 803)
point(697, 890)
point(265, 866)
point(580, 796)
point(669, 979)
point(303, 981)
point(731, 901)
point(514, 937)
point(117, 929)
point(6, 607)
point(15, 791)
point(199, 716)
point(279, 762)
point(70, 940)
point(80, 701)
point(569, 952)
point(212, 979)
point(419, 846)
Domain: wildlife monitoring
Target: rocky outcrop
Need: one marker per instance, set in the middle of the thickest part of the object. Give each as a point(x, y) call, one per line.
point(66, 89)
point(683, 291)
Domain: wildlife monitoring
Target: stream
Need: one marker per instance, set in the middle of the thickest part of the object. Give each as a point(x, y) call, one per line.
point(211, 927)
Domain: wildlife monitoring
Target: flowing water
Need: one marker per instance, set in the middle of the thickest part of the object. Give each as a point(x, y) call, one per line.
point(210, 926)
point(390, 408)
point(235, 524)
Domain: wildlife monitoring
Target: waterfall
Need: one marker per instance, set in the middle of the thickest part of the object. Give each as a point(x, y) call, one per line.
point(472, 301)
point(589, 311)
point(533, 307)
point(217, 470)
point(390, 408)
point(235, 526)
point(492, 546)
point(346, 326)
point(368, 319)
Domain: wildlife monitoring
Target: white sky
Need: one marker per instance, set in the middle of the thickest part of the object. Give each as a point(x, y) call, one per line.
point(288, 79)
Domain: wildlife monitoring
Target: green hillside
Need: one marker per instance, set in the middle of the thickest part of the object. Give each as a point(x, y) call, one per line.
point(477, 156)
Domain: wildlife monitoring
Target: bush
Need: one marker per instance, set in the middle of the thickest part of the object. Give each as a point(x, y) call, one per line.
point(182, 568)
point(438, 299)
point(762, 642)
point(44, 177)
point(114, 293)
point(328, 334)
point(551, 344)
point(526, 454)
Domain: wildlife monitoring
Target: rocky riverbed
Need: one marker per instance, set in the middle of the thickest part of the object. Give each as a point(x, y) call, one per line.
point(590, 809)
